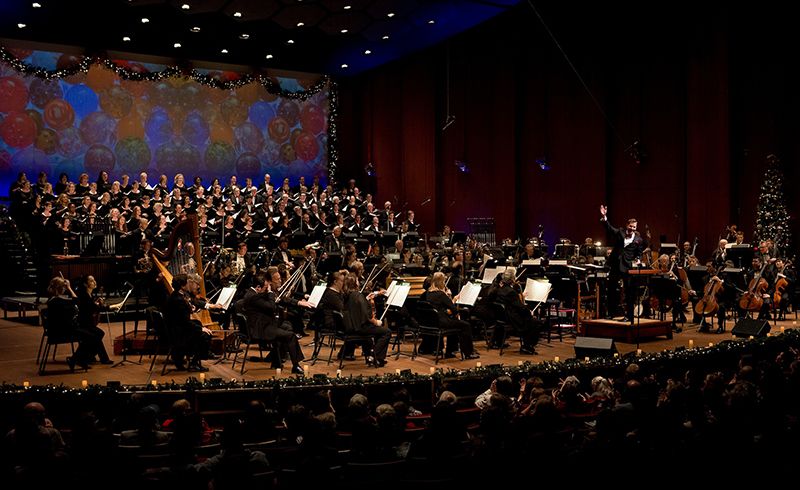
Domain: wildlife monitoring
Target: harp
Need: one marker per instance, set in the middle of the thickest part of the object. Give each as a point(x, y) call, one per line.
point(175, 261)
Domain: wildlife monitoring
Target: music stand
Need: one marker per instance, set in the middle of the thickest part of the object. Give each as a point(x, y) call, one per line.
point(458, 237)
point(124, 331)
point(388, 239)
point(741, 255)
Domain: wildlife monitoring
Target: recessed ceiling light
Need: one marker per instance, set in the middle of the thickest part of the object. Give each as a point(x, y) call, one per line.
point(21, 25)
point(344, 65)
point(145, 20)
point(126, 38)
point(195, 29)
point(431, 21)
point(290, 41)
point(36, 5)
point(176, 45)
point(244, 36)
point(237, 14)
point(300, 24)
point(344, 31)
point(347, 7)
point(367, 51)
point(390, 14)
point(186, 6)
point(269, 56)
point(386, 37)
point(223, 51)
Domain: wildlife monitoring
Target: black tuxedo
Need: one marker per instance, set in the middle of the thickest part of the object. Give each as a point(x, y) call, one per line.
point(260, 310)
point(620, 262)
point(187, 334)
point(333, 244)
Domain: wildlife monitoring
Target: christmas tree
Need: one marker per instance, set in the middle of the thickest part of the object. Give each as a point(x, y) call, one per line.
point(772, 216)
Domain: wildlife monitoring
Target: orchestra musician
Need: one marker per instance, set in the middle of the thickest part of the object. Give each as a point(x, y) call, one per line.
point(359, 318)
point(508, 294)
point(259, 308)
point(439, 297)
point(89, 308)
point(628, 248)
point(191, 338)
point(785, 279)
point(719, 255)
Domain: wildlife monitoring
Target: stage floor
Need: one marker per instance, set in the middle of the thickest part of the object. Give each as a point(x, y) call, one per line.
point(20, 337)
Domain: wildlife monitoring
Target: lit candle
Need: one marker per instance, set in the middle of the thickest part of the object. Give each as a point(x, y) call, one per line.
point(84, 384)
point(233, 380)
point(783, 329)
point(711, 344)
point(557, 359)
point(691, 344)
point(616, 355)
point(638, 352)
point(397, 371)
point(278, 372)
point(154, 383)
point(794, 322)
point(478, 364)
point(27, 384)
point(338, 373)
point(586, 359)
point(202, 377)
point(519, 363)
point(305, 369)
point(433, 370)
point(769, 334)
point(751, 337)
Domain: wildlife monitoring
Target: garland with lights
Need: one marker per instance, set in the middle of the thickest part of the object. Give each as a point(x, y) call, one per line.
point(125, 73)
point(680, 356)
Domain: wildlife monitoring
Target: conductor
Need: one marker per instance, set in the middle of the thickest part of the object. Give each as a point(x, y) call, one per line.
point(627, 253)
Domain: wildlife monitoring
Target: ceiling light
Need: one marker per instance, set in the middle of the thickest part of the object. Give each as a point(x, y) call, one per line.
point(347, 7)
point(244, 36)
point(367, 52)
point(223, 51)
point(300, 24)
point(126, 38)
point(390, 14)
point(386, 37)
point(36, 5)
point(290, 41)
point(431, 21)
point(176, 45)
point(195, 29)
point(145, 20)
point(269, 56)
point(21, 25)
point(186, 6)
point(237, 14)
point(344, 31)
point(344, 65)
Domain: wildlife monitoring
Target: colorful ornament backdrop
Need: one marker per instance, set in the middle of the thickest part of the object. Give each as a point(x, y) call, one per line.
point(95, 120)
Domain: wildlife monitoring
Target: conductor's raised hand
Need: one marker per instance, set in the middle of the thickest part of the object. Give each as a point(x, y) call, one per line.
point(603, 210)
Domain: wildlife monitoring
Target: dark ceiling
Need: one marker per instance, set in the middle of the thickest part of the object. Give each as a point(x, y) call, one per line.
point(306, 35)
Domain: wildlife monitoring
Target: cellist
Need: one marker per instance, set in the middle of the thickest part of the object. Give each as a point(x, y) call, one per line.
point(754, 274)
point(783, 289)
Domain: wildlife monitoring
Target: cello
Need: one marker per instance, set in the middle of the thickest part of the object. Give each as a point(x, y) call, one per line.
point(780, 287)
point(752, 300)
point(708, 303)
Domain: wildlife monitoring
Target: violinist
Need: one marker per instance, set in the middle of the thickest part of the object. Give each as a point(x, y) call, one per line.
point(439, 297)
point(507, 293)
point(359, 318)
point(628, 248)
point(293, 307)
point(529, 253)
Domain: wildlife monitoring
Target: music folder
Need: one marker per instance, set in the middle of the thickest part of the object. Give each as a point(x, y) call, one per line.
point(469, 294)
point(536, 291)
point(399, 294)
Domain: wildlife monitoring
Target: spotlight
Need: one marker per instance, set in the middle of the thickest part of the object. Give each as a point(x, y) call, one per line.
point(462, 166)
point(448, 122)
point(543, 163)
point(636, 151)
point(370, 169)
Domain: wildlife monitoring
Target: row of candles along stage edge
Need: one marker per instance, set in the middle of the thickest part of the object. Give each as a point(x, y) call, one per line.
point(306, 367)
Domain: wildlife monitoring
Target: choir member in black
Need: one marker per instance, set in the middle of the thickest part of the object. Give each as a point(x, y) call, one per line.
point(89, 308)
point(628, 247)
point(439, 296)
point(261, 311)
point(189, 336)
point(410, 222)
point(518, 315)
point(359, 318)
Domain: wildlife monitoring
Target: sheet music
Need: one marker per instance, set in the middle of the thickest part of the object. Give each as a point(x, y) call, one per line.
point(391, 288)
point(316, 294)
point(532, 262)
point(400, 293)
point(469, 294)
point(558, 262)
point(490, 274)
point(226, 296)
point(536, 290)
